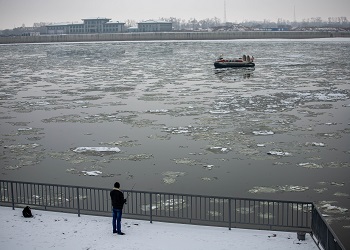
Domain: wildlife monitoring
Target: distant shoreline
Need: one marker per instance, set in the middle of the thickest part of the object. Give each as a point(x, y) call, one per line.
point(163, 36)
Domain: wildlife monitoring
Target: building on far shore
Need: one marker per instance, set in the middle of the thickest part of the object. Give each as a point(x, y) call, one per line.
point(89, 26)
point(133, 29)
point(105, 25)
point(154, 26)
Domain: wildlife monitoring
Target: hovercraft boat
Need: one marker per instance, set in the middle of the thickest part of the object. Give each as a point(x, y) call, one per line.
point(244, 61)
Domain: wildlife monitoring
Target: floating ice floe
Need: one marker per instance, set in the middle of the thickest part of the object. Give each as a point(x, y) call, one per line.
point(179, 130)
point(185, 130)
point(96, 149)
point(208, 167)
point(320, 190)
point(41, 103)
point(263, 190)
point(12, 167)
point(170, 176)
point(279, 153)
point(206, 179)
point(81, 102)
point(334, 209)
point(316, 144)
point(147, 208)
point(92, 173)
point(339, 194)
point(219, 112)
point(22, 146)
point(240, 109)
point(218, 149)
point(24, 129)
point(157, 111)
point(333, 183)
point(186, 161)
point(214, 213)
point(286, 188)
point(330, 96)
point(270, 110)
point(166, 205)
point(309, 165)
point(264, 132)
point(3, 94)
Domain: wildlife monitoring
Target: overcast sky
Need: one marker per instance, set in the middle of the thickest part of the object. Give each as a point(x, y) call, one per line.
point(14, 13)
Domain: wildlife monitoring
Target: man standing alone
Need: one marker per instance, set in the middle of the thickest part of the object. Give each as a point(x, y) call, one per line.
point(118, 201)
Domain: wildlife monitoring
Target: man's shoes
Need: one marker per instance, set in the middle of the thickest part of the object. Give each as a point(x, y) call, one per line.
point(120, 233)
point(115, 232)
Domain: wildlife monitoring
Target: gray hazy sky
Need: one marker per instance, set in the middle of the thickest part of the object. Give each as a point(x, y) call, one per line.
point(14, 13)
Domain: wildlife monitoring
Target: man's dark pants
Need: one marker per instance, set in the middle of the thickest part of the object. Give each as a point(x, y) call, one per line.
point(116, 222)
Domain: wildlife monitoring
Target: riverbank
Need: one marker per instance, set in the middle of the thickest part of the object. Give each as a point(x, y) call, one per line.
point(156, 36)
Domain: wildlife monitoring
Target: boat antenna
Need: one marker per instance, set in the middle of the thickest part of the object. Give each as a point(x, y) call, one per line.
point(225, 12)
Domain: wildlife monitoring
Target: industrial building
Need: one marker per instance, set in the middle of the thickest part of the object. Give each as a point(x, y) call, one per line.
point(154, 26)
point(89, 26)
point(105, 25)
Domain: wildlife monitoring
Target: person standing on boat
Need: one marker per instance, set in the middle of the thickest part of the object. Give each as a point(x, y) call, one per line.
point(118, 201)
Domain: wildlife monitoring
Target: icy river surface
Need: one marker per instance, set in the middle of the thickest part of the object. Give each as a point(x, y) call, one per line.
point(159, 115)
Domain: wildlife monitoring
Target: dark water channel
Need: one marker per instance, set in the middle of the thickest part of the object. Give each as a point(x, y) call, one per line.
point(278, 131)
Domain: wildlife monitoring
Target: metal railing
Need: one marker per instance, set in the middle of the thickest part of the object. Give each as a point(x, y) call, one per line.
point(324, 233)
point(195, 209)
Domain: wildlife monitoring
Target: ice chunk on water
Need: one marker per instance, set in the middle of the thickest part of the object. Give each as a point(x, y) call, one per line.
point(279, 153)
point(147, 208)
point(240, 109)
point(219, 112)
point(263, 190)
point(218, 149)
point(92, 173)
point(25, 129)
point(170, 176)
point(157, 111)
point(96, 149)
point(208, 167)
point(333, 209)
point(264, 132)
point(286, 188)
point(341, 194)
point(309, 165)
point(317, 144)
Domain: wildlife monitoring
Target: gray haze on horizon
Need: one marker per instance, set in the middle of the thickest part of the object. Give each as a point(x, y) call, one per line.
point(15, 13)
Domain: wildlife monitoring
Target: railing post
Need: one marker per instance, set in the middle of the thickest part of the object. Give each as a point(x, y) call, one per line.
point(12, 197)
point(78, 204)
point(150, 205)
point(229, 214)
point(46, 203)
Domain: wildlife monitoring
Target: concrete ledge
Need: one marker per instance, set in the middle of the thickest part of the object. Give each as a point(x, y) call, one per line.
point(159, 36)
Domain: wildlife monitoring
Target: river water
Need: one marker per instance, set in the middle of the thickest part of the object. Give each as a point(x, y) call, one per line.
point(278, 131)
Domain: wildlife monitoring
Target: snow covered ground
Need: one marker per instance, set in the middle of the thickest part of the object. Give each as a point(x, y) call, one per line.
point(47, 230)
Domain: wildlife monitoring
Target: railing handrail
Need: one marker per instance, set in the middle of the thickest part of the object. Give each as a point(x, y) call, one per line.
point(336, 239)
point(269, 213)
point(154, 192)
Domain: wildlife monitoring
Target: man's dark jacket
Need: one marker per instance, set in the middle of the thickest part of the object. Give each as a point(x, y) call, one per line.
point(117, 198)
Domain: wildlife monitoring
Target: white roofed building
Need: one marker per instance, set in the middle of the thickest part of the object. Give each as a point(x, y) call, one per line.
point(89, 26)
